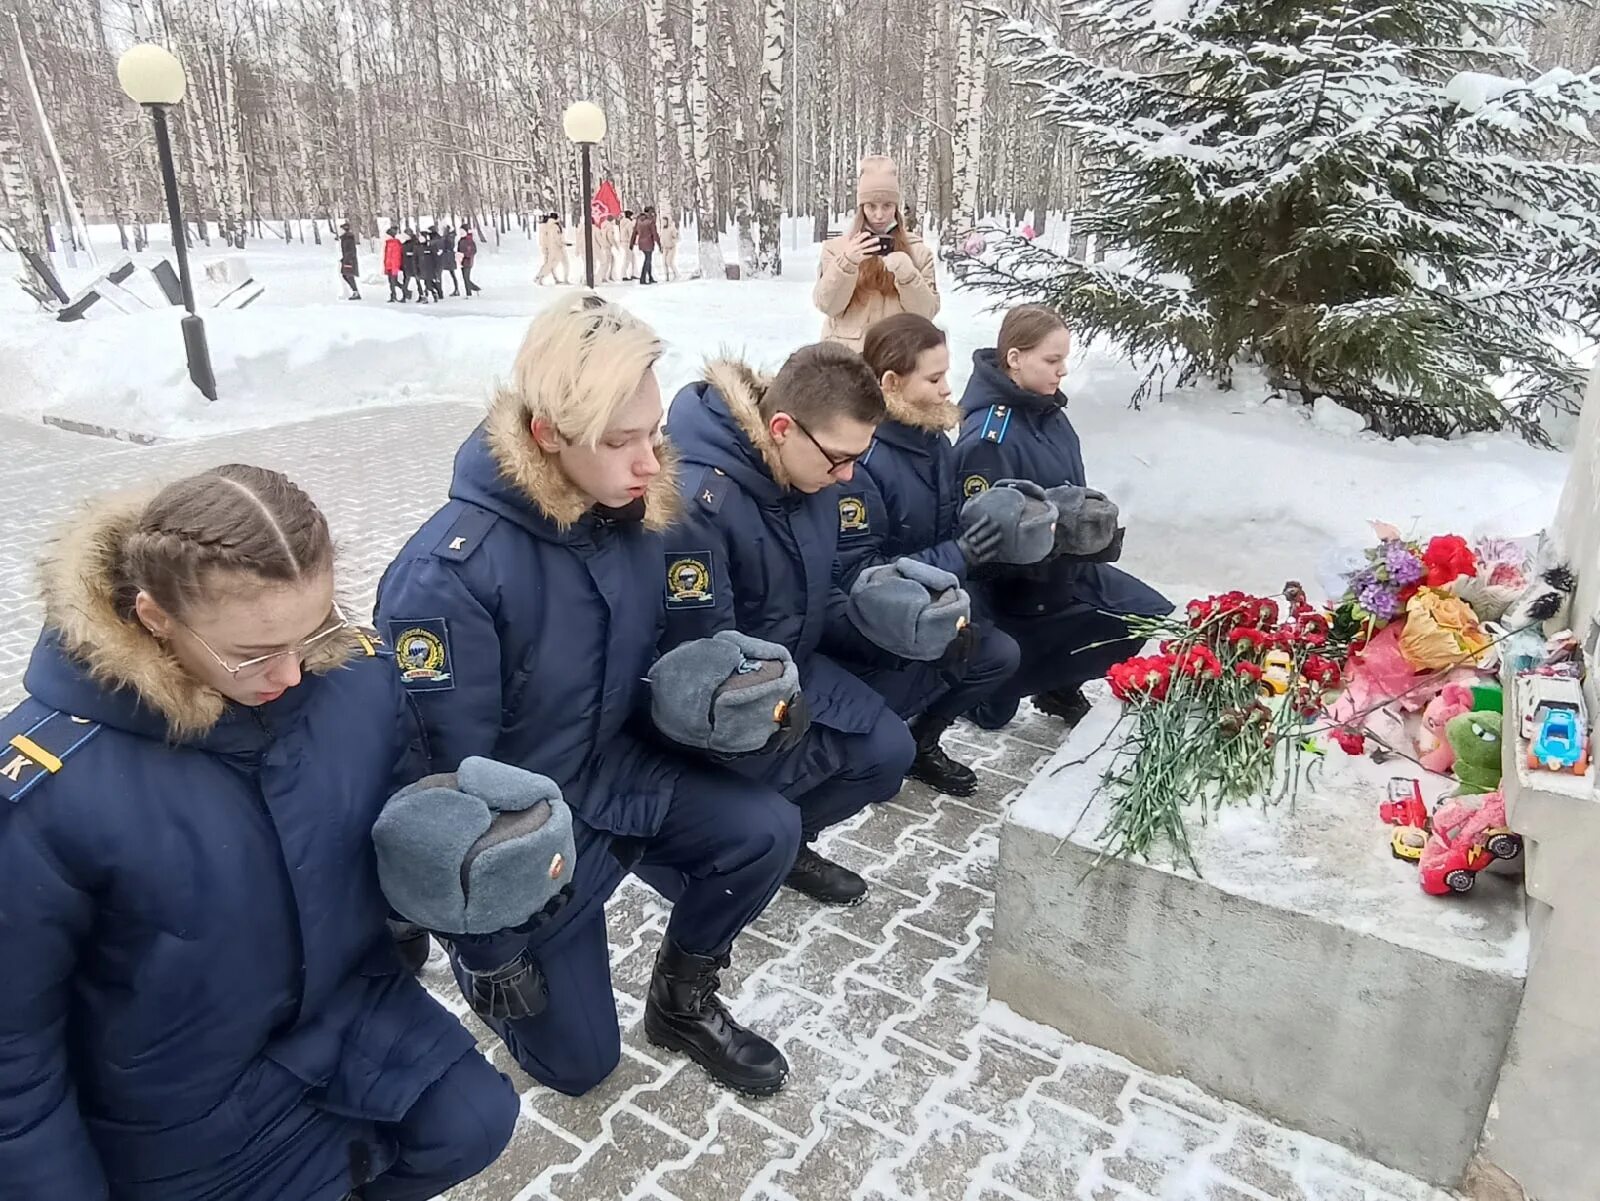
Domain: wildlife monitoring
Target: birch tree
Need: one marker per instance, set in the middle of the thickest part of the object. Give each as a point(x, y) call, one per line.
point(711, 263)
point(770, 173)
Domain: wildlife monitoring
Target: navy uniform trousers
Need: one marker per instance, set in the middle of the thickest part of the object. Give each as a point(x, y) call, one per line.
point(723, 849)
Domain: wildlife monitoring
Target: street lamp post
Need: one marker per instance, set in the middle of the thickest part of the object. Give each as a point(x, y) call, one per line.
point(152, 77)
point(585, 125)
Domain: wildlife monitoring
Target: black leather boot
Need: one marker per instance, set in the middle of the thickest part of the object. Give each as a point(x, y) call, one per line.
point(935, 768)
point(1069, 704)
point(684, 1013)
point(824, 880)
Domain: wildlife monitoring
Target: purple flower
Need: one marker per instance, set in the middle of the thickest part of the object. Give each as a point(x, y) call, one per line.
point(1378, 599)
point(1404, 566)
point(1363, 579)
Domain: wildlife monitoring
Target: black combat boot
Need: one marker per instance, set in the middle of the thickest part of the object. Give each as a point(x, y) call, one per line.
point(1069, 704)
point(684, 1013)
point(935, 768)
point(824, 880)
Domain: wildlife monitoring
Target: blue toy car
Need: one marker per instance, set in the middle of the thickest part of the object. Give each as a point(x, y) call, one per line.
point(1560, 742)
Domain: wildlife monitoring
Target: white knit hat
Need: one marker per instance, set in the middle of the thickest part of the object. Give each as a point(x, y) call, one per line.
point(878, 181)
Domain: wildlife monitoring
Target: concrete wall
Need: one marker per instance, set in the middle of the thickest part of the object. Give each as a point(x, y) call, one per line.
point(1390, 1051)
point(1543, 1131)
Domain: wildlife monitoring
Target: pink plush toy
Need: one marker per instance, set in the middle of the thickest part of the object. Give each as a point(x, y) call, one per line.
point(1434, 751)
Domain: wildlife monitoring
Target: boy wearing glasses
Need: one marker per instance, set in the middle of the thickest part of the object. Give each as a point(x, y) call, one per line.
point(755, 551)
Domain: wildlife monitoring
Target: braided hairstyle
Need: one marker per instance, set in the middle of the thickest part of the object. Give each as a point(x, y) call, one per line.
point(233, 518)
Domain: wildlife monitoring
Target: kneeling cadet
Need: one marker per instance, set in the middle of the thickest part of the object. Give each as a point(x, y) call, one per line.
point(525, 634)
point(757, 551)
point(201, 998)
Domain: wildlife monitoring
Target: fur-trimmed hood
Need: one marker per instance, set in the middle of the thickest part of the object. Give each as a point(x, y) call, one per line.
point(536, 480)
point(717, 422)
point(78, 582)
point(938, 418)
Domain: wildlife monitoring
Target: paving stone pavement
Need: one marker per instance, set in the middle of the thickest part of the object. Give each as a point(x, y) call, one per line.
point(906, 1086)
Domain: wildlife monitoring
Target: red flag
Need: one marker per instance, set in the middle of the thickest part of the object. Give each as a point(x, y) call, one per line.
point(606, 203)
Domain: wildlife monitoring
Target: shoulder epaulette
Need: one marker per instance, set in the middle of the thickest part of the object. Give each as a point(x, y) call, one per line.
point(371, 642)
point(996, 423)
point(465, 534)
point(44, 739)
point(712, 489)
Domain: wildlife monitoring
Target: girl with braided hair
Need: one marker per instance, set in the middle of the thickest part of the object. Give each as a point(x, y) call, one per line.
point(202, 999)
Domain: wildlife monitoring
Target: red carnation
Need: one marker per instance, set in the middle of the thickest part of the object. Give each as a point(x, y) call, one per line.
point(1447, 557)
point(1250, 671)
point(1321, 670)
point(1351, 742)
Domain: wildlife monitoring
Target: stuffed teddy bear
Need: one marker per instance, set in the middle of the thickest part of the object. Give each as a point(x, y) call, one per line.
point(1434, 751)
point(1476, 739)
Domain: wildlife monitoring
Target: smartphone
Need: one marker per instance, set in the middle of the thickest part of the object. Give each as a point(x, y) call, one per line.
point(885, 244)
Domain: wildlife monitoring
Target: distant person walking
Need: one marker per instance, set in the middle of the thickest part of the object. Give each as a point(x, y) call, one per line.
point(347, 261)
point(625, 227)
point(668, 233)
point(393, 261)
point(447, 262)
point(412, 256)
point(646, 239)
point(435, 262)
point(552, 250)
point(467, 248)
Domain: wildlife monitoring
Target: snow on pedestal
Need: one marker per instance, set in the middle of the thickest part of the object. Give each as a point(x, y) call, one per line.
point(1306, 975)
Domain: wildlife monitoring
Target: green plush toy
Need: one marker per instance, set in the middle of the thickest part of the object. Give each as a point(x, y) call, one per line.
point(1475, 738)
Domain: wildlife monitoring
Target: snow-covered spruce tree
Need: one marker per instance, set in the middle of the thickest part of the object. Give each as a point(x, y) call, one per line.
point(1365, 198)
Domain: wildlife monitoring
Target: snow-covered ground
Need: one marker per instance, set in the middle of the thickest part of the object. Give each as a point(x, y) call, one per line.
point(1220, 489)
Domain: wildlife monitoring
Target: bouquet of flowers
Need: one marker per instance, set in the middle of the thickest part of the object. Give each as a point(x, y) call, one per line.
point(1218, 714)
point(1398, 569)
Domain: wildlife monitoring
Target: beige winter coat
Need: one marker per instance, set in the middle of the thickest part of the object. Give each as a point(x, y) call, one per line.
point(847, 315)
point(669, 236)
point(551, 247)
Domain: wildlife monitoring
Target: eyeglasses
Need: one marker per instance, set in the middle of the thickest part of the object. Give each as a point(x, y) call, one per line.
point(339, 622)
point(836, 462)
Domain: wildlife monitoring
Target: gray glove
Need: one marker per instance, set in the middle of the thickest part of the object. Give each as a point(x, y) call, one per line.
point(729, 694)
point(481, 849)
point(982, 541)
point(1025, 516)
point(1086, 522)
point(909, 608)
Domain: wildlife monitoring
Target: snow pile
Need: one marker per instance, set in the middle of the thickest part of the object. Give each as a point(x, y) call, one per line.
point(1220, 489)
point(1326, 856)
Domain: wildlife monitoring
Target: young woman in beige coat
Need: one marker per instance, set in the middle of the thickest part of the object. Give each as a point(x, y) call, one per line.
point(857, 286)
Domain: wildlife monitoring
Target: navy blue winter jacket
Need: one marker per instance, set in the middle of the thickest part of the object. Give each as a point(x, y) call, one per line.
point(197, 967)
point(907, 499)
point(752, 555)
point(524, 623)
point(1008, 432)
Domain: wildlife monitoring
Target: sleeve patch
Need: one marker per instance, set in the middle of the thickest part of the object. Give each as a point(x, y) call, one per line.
point(422, 651)
point(688, 580)
point(854, 517)
point(973, 485)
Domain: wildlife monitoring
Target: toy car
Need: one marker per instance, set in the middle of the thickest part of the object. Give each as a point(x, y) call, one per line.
point(1560, 743)
point(1465, 840)
point(1544, 689)
point(1277, 673)
point(1405, 809)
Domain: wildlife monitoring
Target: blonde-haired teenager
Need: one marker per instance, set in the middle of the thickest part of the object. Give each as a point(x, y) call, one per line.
point(526, 614)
